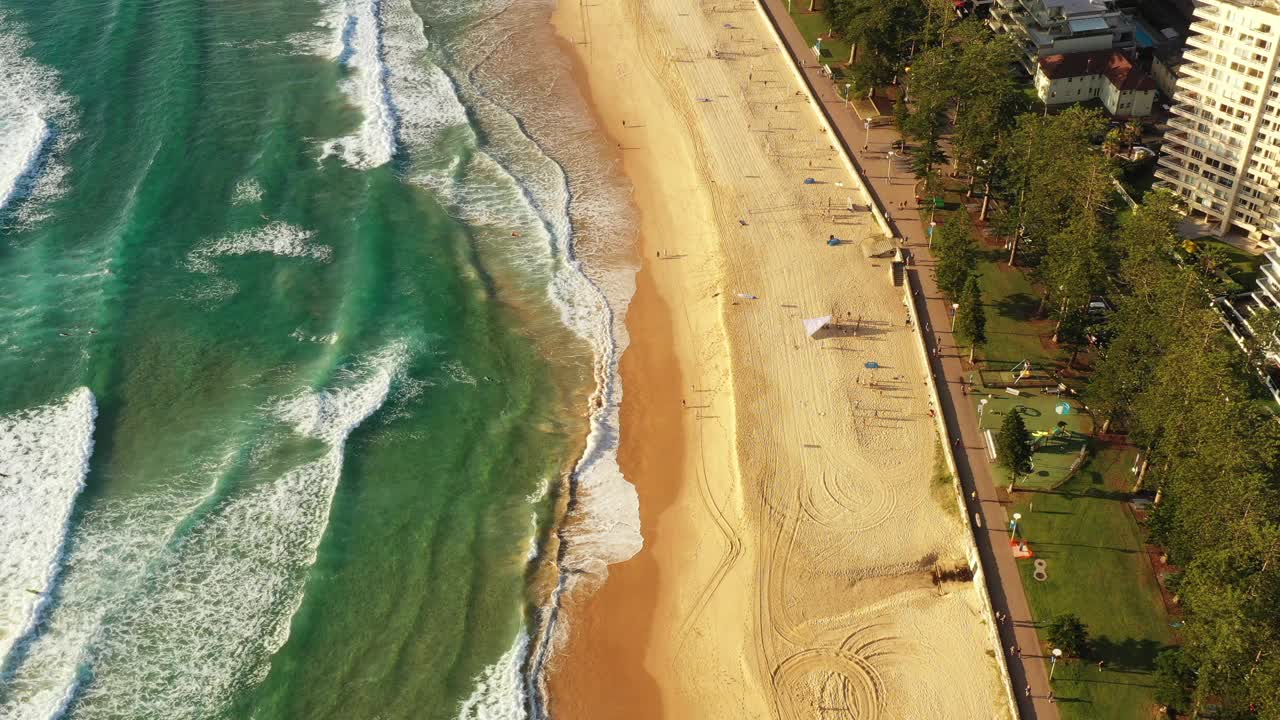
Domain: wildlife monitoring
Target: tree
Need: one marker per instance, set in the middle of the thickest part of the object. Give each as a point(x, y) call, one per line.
point(1265, 338)
point(1131, 132)
point(1075, 265)
point(955, 254)
point(924, 155)
point(1068, 634)
point(1175, 676)
point(1053, 175)
point(1013, 446)
point(1073, 332)
point(971, 319)
point(882, 30)
point(1111, 144)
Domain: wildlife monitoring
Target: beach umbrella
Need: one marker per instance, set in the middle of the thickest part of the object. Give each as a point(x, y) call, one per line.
point(813, 325)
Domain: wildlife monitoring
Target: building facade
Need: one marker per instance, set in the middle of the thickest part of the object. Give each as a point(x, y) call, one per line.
point(1062, 27)
point(1222, 146)
point(1109, 77)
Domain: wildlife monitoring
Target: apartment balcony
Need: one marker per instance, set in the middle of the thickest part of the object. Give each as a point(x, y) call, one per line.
point(1272, 272)
point(1202, 42)
point(1195, 70)
point(1203, 27)
point(1174, 163)
point(1270, 291)
point(1181, 153)
point(1199, 56)
point(1264, 301)
point(1171, 176)
point(1218, 140)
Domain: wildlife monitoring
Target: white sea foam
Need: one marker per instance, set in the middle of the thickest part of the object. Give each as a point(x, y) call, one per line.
point(330, 339)
point(44, 457)
point(246, 192)
point(540, 178)
point(114, 545)
point(277, 238)
point(202, 612)
point(358, 47)
point(402, 95)
point(36, 123)
point(499, 690)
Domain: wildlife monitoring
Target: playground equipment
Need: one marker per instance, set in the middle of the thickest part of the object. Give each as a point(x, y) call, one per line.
point(1021, 371)
point(1041, 438)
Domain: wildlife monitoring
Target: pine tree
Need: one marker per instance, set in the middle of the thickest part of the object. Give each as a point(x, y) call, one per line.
point(1013, 447)
point(956, 255)
point(971, 319)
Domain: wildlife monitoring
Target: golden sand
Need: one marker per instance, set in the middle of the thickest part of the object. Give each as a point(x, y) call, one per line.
point(791, 517)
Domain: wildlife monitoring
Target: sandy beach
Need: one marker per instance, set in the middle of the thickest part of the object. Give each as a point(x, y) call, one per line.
point(794, 526)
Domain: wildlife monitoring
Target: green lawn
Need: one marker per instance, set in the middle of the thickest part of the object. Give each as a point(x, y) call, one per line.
point(1245, 268)
point(1055, 455)
point(1013, 332)
point(812, 25)
point(1097, 569)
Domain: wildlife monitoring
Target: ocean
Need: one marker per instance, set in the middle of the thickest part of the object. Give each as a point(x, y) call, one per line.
point(310, 315)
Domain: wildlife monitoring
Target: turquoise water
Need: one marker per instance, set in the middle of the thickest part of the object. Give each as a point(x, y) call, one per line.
point(311, 314)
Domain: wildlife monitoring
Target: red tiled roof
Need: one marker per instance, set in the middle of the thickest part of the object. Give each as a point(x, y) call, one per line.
point(1119, 69)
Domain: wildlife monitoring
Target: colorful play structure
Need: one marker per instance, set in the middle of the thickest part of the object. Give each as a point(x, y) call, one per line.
point(1041, 437)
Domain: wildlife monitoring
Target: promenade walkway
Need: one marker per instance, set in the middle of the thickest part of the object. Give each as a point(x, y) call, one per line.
point(892, 188)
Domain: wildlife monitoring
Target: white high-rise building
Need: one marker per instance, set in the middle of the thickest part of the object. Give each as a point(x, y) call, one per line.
point(1222, 148)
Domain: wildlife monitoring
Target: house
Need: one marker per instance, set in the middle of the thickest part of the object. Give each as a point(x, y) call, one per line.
point(1108, 76)
point(1051, 27)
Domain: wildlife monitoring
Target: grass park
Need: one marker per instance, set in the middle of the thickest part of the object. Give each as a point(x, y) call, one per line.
point(1097, 568)
point(1081, 524)
point(814, 25)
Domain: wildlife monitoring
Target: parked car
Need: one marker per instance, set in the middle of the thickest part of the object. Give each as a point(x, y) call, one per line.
point(1099, 305)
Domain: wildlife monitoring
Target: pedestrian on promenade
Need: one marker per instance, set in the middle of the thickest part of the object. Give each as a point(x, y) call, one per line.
point(1028, 692)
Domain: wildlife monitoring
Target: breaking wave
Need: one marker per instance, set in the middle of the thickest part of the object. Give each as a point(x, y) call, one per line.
point(44, 458)
point(36, 120)
point(172, 623)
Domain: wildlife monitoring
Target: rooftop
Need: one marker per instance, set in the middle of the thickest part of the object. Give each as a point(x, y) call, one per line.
point(1114, 65)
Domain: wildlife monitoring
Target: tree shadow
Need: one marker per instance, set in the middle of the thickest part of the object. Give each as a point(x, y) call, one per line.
point(1127, 655)
point(1019, 306)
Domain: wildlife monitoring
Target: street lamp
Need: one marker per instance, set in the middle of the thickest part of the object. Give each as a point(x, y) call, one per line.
point(1014, 526)
point(847, 86)
point(889, 164)
point(932, 225)
point(866, 127)
point(1053, 662)
point(982, 405)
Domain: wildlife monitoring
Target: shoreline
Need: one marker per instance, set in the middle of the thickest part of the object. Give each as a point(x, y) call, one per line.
point(614, 625)
point(792, 539)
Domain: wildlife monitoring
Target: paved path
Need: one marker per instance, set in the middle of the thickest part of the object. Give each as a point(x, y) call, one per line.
point(892, 188)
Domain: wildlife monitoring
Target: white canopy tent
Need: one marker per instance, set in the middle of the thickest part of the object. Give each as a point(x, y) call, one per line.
point(813, 325)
